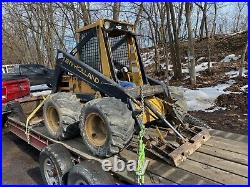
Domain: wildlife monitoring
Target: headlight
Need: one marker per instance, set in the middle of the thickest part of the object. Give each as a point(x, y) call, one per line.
point(106, 25)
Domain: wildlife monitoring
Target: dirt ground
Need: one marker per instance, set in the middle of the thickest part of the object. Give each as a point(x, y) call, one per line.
point(234, 118)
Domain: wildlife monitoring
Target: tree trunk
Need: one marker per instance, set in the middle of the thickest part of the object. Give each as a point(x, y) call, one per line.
point(116, 11)
point(204, 19)
point(85, 12)
point(177, 69)
point(188, 7)
point(214, 21)
point(171, 40)
point(156, 59)
point(244, 51)
point(196, 23)
point(138, 16)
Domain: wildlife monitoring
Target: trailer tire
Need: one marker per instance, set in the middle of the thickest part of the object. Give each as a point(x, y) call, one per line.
point(106, 126)
point(89, 172)
point(61, 113)
point(55, 159)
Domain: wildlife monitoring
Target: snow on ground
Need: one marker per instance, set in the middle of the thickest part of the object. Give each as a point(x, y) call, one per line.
point(244, 88)
point(230, 58)
point(39, 87)
point(198, 68)
point(204, 98)
point(215, 109)
point(233, 73)
point(232, 34)
point(149, 62)
point(163, 66)
point(148, 58)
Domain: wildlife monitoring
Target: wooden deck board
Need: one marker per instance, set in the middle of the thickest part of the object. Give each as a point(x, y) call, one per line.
point(224, 154)
point(219, 163)
point(226, 144)
point(229, 135)
point(168, 172)
point(212, 173)
point(220, 160)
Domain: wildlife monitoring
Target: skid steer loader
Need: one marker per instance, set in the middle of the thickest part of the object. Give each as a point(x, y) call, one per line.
point(101, 90)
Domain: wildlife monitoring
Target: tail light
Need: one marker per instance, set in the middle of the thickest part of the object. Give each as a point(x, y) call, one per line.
point(4, 94)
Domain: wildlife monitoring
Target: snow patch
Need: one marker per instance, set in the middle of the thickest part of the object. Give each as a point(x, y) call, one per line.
point(216, 108)
point(244, 88)
point(230, 58)
point(200, 67)
point(233, 34)
point(163, 66)
point(233, 73)
point(148, 58)
point(204, 98)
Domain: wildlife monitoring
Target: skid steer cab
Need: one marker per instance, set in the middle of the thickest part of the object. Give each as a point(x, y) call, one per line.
point(101, 92)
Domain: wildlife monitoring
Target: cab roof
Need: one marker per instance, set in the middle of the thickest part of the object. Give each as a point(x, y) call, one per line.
point(100, 22)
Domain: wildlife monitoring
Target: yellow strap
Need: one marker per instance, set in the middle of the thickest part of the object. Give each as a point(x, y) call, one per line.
point(33, 113)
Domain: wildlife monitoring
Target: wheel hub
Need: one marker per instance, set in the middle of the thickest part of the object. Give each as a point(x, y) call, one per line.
point(50, 171)
point(53, 118)
point(96, 129)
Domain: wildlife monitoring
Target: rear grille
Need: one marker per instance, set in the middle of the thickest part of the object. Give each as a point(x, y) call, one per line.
point(119, 52)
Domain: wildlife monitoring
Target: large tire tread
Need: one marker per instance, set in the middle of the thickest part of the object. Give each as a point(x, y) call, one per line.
point(60, 156)
point(68, 107)
point(90, 172)
point(121, 125)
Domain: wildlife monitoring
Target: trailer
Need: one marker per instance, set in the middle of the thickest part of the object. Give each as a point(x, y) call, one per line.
point(223, 159)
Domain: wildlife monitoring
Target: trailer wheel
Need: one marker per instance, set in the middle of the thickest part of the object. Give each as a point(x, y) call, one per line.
point(55, 161)
point(106, 126)
point(61, 113)
point(89, 172)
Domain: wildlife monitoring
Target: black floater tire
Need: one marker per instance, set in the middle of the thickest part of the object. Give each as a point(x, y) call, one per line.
point(120, 124)
point(89, 172)
point(60, 157)
point(68, 107)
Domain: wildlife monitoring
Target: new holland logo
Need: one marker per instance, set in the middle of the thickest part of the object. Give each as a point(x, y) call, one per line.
point(83, 71)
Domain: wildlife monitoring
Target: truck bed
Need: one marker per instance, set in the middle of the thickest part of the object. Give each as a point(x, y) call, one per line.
point(221, 160)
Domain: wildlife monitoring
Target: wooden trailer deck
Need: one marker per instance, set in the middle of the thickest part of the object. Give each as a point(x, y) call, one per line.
point(221, 160)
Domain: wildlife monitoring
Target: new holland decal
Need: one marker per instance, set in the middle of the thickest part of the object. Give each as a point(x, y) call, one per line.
point(83, 71)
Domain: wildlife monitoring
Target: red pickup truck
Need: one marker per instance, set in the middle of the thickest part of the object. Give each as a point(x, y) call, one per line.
point(13, 89)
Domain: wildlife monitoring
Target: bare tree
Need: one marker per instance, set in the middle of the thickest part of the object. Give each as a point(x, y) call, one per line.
point(214, 20)
point(85, 12)
point(203, 25)
point(191, 59)
point(240, 7)
point(138, 16)
point(173, 33)
point(116, 11)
